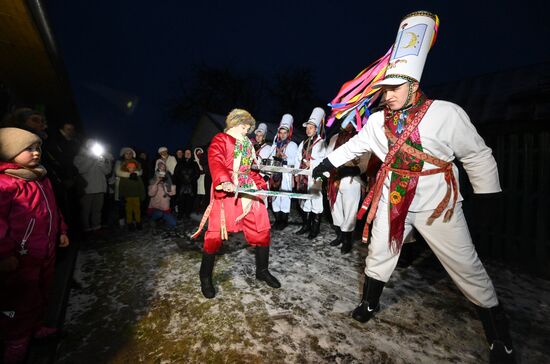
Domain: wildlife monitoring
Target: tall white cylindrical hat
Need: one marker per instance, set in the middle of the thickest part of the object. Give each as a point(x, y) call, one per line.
point(262, 128)
point(316, 117)
point(286, 122)
point(415, 37)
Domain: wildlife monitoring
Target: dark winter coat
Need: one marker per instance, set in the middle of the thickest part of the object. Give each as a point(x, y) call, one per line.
point(185, 176)
point(131, 187)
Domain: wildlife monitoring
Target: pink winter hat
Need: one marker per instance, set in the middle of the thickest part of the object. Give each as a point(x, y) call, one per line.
point(14, 140)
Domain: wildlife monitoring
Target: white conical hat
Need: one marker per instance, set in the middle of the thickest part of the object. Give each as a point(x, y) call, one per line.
point(316, 117)
point(262, 128)
point(415, 37)
point(286, 122)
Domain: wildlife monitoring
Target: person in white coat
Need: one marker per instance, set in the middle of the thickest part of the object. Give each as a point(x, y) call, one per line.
point(311, 152)
point(344, 190)
point(94, 166)
point(283, 150)
point(168, 159)
point(417, 185)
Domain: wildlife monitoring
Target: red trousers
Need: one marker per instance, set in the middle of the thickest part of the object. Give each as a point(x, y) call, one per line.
point(255, 225)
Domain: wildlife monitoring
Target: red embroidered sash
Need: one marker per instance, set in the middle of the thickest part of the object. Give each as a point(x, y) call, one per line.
point(307, 149)
point(370, 203)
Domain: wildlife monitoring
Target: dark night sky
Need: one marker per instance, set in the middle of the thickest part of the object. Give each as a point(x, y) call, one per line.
point(144, 48)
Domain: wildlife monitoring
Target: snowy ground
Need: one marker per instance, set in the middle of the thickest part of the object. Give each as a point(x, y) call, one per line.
point(141, 302)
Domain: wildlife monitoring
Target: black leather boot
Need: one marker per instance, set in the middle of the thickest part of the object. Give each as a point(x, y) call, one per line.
point(277, 220)
point(262, 265)
point(495, 325)
point(338, 239)
point(347, 242)
point(284, 220)
point(306, 223)
point(370, 302)
point(205, 274)
point(315, 226)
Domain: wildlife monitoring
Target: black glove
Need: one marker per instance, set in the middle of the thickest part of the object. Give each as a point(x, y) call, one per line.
point(133, 176)
point(348, 171)
point(324, 166)
point(486, 205)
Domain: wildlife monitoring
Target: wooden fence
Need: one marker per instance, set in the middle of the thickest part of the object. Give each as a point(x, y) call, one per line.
point(516, 228)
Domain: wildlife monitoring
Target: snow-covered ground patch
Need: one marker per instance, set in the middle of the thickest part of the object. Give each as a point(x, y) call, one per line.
point(141, 302)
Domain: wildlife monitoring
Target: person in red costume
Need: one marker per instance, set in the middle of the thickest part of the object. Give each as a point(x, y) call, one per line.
point(230, 157)
point(31, 227)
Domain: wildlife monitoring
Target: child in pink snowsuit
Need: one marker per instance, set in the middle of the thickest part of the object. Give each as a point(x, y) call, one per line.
point(30, 227)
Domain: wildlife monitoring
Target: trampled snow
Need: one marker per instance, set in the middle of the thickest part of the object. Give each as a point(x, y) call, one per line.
point(141, 302)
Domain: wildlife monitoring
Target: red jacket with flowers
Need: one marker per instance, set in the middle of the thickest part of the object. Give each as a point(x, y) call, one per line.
point(220, 162)
point(28, 214)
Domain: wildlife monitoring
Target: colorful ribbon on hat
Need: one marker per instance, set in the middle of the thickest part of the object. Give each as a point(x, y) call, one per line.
point(355, 97)
point(436, 29)
point(353, 102)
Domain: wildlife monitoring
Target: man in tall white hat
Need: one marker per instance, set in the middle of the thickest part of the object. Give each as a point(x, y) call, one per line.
point(418, 139)
point(311, 152)
point(283, 150)
point(344, 189)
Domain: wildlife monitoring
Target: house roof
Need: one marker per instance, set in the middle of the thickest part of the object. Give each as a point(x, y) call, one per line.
point(30, 65)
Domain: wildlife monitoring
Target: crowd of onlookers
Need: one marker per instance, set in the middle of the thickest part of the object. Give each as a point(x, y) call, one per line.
point(116, 189)
point(57, 188)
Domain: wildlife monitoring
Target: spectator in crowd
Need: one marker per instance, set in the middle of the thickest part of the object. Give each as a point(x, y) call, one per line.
point(132, 191)
point(145, 176)
point(29, 119)
point(110, 212)
point(160, 190)
point(179, 155)
point(203, 189)
point(168, 159)
point(64, 143)
point(130, 180)
point(93, 165)
point(126, 154)
point(145, 165)
point(174, 201)
point(58, 150)
point(30, 227)
point(186, 175)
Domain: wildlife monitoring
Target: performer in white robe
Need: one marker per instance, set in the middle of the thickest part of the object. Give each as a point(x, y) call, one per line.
point(344, 190)
point(418, 139)
point(262, 150)
point(311, 152)
point(283, 150)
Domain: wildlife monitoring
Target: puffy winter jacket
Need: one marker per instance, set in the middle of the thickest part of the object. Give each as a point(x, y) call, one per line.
point(160, 195)
point(29, 216)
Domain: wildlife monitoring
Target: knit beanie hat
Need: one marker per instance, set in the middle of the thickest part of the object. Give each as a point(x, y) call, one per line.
point(14, 140)
point(239, 116)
